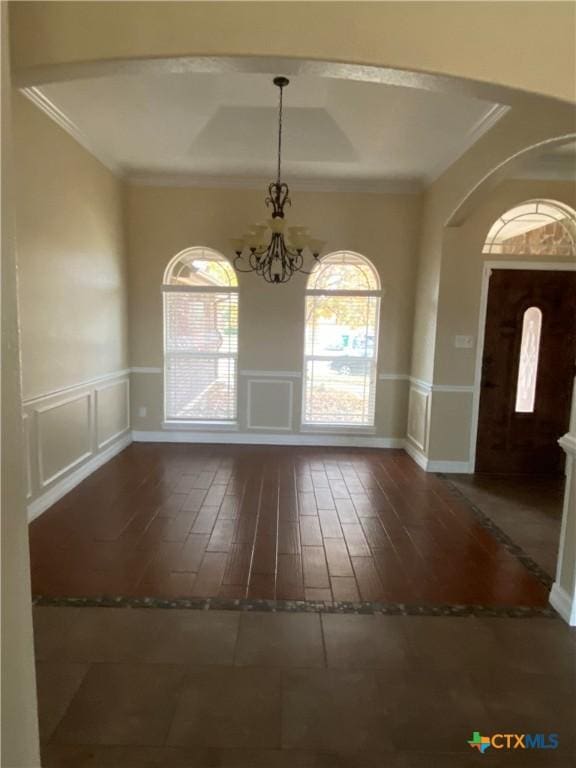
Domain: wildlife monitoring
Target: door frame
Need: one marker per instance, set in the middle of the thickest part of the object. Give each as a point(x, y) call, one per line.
point(488, 267)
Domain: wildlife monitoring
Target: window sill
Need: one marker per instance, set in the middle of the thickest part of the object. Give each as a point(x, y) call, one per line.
point(344, 429)
point(201, 426)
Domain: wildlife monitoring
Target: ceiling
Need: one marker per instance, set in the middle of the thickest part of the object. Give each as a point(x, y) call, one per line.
point(222, 127)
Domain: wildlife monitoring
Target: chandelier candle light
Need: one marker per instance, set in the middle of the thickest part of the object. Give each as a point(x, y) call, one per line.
point(276, 261)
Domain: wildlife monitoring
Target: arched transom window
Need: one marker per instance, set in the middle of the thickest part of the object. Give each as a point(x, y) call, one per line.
point(535, 228)
point(341, 341)
point(200, 337)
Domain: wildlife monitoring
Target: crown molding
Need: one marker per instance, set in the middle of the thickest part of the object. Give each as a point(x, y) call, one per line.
point(378, 187)
point(482, 126)
point(49, 108)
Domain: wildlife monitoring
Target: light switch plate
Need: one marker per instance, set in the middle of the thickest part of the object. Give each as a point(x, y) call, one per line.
point(142, 411)
point(464, 342)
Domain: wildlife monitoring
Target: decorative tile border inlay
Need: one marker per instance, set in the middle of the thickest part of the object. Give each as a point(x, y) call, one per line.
point(502, 538)
point(298, 606)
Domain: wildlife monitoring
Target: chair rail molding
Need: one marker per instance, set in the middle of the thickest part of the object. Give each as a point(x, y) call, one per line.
point(72, 387)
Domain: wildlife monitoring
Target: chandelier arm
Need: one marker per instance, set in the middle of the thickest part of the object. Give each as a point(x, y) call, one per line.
point(307, 271)
point(253, 265)
point(297, 263)
point(239, 268)
point(255, 261)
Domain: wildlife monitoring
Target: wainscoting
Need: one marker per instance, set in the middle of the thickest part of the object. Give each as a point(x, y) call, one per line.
point(270, 410)
point(435, 437)
point(417, 430)
point(270, 404)
point(70, 432)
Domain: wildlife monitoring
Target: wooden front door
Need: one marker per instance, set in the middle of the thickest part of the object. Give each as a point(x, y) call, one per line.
point(527, 371)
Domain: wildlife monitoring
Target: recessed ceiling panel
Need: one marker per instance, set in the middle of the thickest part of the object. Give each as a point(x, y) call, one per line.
point(252, 133)
point(215, 125)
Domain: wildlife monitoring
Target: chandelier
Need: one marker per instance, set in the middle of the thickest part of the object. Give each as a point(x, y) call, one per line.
point(264, 249)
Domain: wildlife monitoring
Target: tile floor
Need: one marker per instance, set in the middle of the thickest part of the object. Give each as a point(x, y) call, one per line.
point(144, 688)
point(528, 509)
point(272, 523)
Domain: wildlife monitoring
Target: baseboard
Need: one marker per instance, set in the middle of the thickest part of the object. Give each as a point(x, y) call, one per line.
point(250, 438)
point(561, 601)
point(416, 454)
point(320, 440)
point(450, 467)
point(430, 465)
point(64, 486)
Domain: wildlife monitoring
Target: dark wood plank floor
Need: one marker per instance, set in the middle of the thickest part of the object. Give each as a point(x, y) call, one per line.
point(272, 522)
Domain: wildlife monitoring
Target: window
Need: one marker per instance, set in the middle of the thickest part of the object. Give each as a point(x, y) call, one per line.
point(535, 228)
point(528, 364)
point(200, 337)
point(341, 341)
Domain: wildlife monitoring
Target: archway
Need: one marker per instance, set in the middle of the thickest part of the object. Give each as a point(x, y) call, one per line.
point(524, 384)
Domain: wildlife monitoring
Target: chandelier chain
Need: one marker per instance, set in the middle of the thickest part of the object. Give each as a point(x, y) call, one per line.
point(281, 89)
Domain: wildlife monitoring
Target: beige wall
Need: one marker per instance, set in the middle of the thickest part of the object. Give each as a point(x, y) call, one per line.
point(73, 301)
point(494, 42)
point(19, 737)
point(164, 221)
point(70, 254)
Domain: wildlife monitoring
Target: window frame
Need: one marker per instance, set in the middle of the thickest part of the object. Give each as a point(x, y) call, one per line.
point(167, 288)
point(553, 211)
point(319, 426)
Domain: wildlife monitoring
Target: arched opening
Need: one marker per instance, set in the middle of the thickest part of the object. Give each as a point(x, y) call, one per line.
point(341, 341)
point(525, 373)
point(200, 292)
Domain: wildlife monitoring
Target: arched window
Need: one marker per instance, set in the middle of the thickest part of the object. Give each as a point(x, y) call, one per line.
point(341, 341)
point(535, 228)
point(200, 337)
